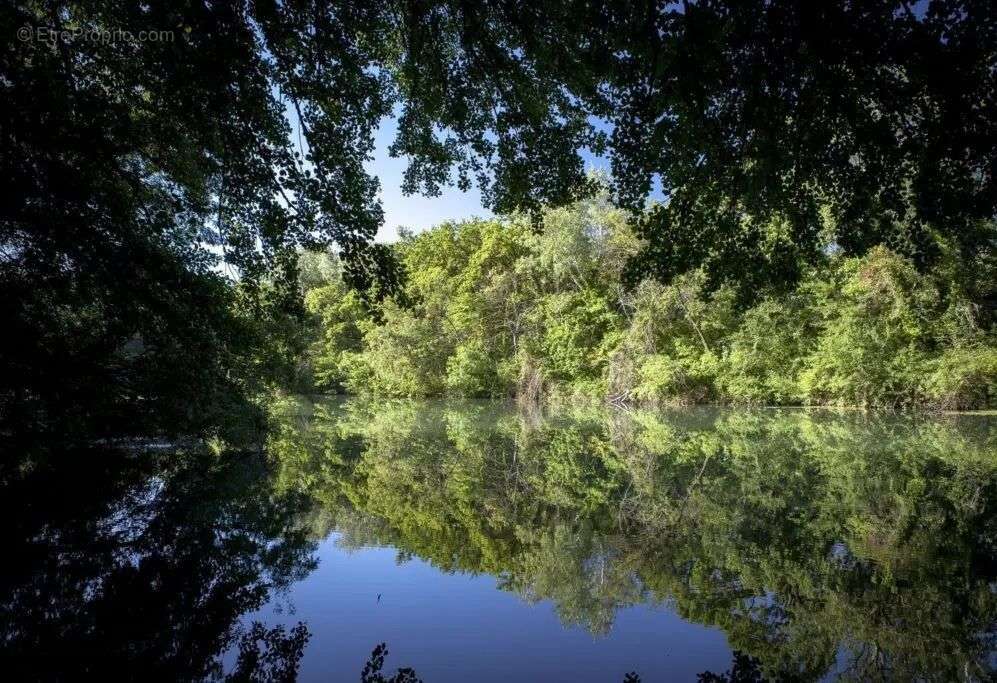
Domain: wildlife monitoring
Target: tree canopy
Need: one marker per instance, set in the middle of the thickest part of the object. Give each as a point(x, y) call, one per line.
point(143, 170)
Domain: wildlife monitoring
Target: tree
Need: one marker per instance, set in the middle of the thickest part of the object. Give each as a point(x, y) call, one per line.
point(150, 146)
point(491, 308)
point(131, 163)
point(775, 132)
point(143, 169)
point(778, 130)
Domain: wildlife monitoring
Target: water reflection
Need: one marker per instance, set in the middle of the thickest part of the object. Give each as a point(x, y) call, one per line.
point(847, 544)
point(822, 545)
point(122, 566)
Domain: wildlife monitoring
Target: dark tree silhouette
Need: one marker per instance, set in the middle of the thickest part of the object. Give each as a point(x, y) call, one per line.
point(270, 655)
point(745, 670)
point(135, 569)
point(372, 669)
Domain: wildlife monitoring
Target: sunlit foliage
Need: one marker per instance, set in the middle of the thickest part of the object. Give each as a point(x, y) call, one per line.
point(491, 308)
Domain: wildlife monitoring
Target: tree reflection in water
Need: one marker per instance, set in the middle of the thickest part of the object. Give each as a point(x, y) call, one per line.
point(744, 670)
point(822, 544)
point(122, 566)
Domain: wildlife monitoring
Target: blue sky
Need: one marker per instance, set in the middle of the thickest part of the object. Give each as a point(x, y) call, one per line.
point(415, 211)
point(418, 212)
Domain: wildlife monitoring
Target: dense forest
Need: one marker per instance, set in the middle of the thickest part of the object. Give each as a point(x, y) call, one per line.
point(495, 308)
point(826, 172)
point(725, 202)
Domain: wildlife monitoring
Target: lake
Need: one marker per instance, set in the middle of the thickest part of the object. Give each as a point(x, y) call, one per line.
point(483, 542)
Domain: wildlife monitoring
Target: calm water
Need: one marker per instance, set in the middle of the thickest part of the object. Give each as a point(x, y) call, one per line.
point(481, 543)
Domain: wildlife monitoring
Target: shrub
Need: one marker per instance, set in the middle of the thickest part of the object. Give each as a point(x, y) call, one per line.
point(876, 335)
point(764, 356)
point(491, 308)
point(964, 378)
point(579, 331)
point(472, 372)
point(405, 355)
point(685, 378)
point(338, 315)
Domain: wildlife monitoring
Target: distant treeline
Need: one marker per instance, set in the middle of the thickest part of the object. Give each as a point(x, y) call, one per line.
point(494, 308)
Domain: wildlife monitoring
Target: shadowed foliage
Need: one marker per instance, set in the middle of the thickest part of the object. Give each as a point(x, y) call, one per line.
point(127, 566)
point(160, 187)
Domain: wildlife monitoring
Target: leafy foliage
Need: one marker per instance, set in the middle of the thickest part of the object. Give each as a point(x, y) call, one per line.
point(148, 175)
point(490, 308)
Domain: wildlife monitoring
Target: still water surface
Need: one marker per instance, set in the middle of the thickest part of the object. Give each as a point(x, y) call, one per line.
point(484, 543)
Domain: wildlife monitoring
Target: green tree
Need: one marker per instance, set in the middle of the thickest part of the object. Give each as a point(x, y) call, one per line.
point(491, 308)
